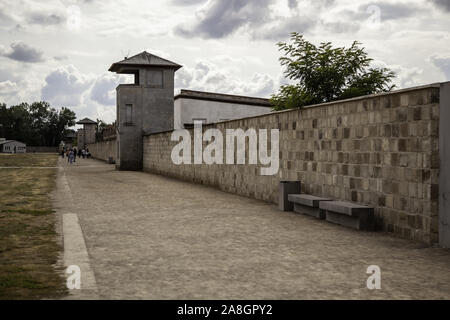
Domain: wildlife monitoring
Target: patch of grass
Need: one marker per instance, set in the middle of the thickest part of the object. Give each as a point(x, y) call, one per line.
point(28, 160)
point(28, 243)
point(29, 211)
point(18, 279)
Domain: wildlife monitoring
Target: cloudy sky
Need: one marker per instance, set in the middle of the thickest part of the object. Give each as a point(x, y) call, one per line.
point(60, 50)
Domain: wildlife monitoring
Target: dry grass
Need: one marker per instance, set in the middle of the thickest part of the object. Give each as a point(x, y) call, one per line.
point(28, 239)
point(28, 160)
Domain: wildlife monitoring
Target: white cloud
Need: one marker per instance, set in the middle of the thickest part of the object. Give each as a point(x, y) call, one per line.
point(443, 64)
point(65, 86)
point(88, 95)
point(442, 4)
point(103, 90)
point(408, 77)
point(8, 90)
point(45, 19)
point(22, 52)
point(262, 19)
point(218, 19)
point(207, 75)
point(230, 49)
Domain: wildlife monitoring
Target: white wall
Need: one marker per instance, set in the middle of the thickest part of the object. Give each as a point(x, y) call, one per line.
point(9, 147)
point(187, 109)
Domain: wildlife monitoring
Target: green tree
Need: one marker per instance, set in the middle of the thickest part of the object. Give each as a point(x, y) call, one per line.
point(101, 127)
point(66, 118)
point(323, 74)
point(15, 122)
point(37, 124)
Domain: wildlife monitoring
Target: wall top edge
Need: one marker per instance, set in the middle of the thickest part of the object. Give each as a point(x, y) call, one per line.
point(399, 91)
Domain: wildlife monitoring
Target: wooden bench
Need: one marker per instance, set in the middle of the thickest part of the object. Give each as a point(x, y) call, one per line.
point(348, 214)
point(308, 204)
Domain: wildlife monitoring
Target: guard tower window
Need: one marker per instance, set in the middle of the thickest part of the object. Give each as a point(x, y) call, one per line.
point(155, 78)
point(129, 114)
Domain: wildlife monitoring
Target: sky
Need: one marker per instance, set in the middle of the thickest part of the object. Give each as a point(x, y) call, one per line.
point(60, 50)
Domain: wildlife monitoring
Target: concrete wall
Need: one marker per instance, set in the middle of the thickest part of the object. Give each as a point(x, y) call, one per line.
point(444, 175)
point(103, 150)
point(185, 110)
point(157, 104)
point(379, 150)
point(129, 135)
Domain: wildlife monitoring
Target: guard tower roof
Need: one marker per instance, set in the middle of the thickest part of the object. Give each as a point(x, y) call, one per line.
point(142, 60)
point(86, 121)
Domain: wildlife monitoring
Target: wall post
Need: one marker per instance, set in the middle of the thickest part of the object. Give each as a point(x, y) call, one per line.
point(444, 167)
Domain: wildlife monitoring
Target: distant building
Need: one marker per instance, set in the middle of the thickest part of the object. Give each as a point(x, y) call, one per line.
point(208, 107)
point(86, 135)
point(12, 146)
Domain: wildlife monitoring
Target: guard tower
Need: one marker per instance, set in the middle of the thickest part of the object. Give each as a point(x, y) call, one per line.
point(146, 106)
point(86, 135)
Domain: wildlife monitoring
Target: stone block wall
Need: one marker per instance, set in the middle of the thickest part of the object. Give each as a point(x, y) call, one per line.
point(380, 150)
point(103, 150)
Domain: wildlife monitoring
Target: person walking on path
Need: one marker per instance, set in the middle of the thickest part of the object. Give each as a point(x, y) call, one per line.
point(71, 156)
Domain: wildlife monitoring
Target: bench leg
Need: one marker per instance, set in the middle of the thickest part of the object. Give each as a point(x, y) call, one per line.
point(358, 223)
point(314, 212)
point(342, 220)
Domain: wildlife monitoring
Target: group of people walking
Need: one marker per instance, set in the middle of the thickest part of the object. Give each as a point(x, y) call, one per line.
point(73, 153)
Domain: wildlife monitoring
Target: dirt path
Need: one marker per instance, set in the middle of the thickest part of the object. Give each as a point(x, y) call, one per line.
point(150, 237)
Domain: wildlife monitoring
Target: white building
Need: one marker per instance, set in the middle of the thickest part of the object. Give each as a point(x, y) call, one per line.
point(209, 107)
point(12, 146)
